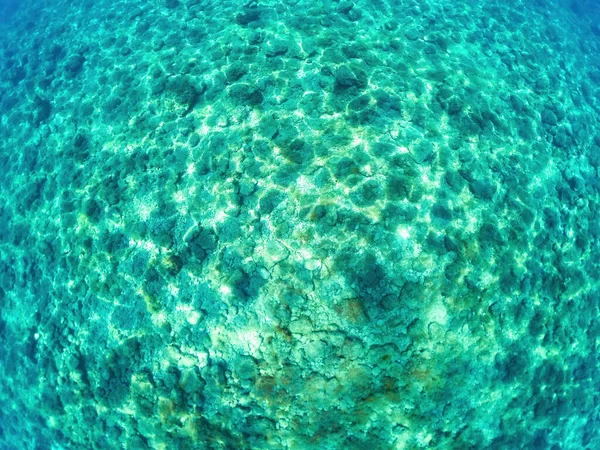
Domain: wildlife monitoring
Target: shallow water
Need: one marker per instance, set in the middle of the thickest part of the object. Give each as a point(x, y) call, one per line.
point(299, 225)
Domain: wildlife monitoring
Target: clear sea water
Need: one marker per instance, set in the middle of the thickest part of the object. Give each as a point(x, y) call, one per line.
point(299, 224)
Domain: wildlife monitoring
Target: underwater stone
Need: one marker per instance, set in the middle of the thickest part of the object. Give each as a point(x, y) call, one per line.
point(256, 37)
point(551, 218)
point(345, 167)
point(236, 71)
point(354, 14)
point(184, 91)
point(557, 108)
point(542, 84)
point(549, 118)
point(367, 193)
point(561, 139)
point(270, 201)
point(268, 126)
point(369, 116)
point(17, 74)
point(43, 110)
point(297, 152)
point(440, 211)
point(346, 78)
point(203, 238)
point(345, 6)
point(193, 140)
point(391, 106)
point(395, 214)
point(93, 210)
point(382, 149)
point(359, 103)
point(526, 129)
point(412, 34)
point(454, 180)
point(276, 47)
point(356, 51)
point(247, 16)
point(423, 152)
point(482, 189)
point(287, 131)
point(398, 187)
point(244, 93)
point(517, 103)
point(275, 252)
point(74, 65)
point(442, 43)
point(489, 236)
point(454, 105)
point(286, 175)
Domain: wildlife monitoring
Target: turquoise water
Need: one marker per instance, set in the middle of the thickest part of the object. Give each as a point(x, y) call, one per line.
point(299, 225)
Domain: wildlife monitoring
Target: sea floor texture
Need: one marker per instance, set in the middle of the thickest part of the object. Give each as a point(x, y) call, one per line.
point(299, 225)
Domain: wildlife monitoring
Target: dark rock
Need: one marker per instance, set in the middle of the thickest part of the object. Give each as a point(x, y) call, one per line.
point(268, 126)
point(354, 15)
point(345, 167)
point(389, 105)
point(489, 236)
point(185, 91)
point(551, 218)
point(244, 93)
point(345, 6)
point(367, 193)
point(93, 211)
point(43, 110)
point(423, 152)
point(542, 84)
point(74, 65)
point(526, 129)
point(558, 109)
point(442, 212)
point(442, 43)
point(454, 180)
point(413, 33)
point(235, 71)
point(356, 51)
point(368, 116)
point(345, 78)
point(454, 105)
point(482, 189)
point(247, 16)
point(256, 38)
point(468, 125)
point(270, 201)
point(297, 151)
point(549, 118)
point(16, 74)
point(399, 187)
point(359, 103)
point(276, 48)
point(561, 139)
point(517, 103)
